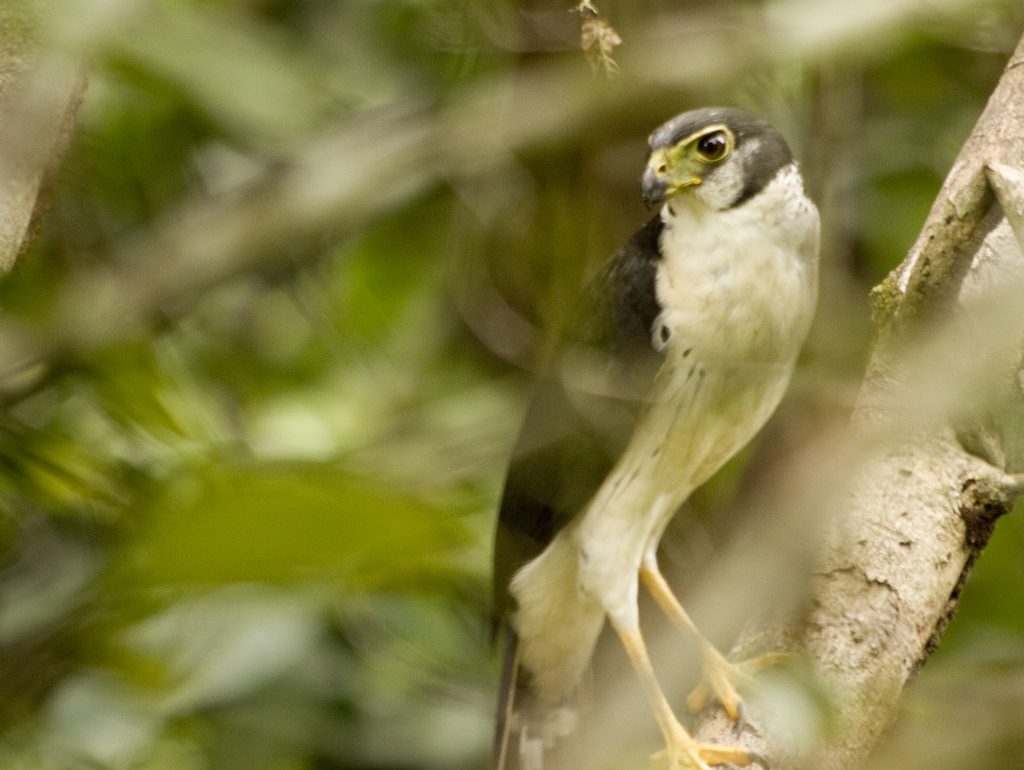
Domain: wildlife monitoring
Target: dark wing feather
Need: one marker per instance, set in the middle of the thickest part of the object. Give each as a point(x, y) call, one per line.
point(583, 412)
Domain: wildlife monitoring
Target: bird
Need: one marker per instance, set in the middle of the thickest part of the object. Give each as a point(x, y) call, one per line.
point(680, 349)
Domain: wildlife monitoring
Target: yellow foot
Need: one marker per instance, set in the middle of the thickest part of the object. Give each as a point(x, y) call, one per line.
point(686, 754)
point(723, 680)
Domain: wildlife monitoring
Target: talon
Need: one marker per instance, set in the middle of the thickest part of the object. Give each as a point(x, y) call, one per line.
point(694, 756)
point(698, 697)
point(722, 680)
point(667, 759)
point(719, 681)
point(753, 666)
point(732, 705)
point(741, 723)
point(759, 759)
point(726, 755)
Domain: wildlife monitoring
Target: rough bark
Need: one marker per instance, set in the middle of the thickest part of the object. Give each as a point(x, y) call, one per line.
point(931, 480)
point(38, 102)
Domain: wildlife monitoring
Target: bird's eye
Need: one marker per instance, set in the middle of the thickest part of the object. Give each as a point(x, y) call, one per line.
point(713, 146)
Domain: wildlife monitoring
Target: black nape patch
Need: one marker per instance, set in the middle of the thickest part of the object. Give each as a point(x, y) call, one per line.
point(762, 168)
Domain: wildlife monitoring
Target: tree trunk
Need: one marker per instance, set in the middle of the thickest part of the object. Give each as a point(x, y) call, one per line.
point(932, 473)
point(38, 102)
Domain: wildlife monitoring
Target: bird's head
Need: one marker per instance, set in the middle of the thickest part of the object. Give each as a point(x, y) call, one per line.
point(721, 155)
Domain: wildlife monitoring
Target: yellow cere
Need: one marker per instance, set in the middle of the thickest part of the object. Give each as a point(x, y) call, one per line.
point(683, 163)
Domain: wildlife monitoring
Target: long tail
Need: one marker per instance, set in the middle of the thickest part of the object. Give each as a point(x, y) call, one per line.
point(504, 756)
point(526, 735)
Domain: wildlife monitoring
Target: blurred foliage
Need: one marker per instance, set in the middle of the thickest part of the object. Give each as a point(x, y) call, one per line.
point(281, 318)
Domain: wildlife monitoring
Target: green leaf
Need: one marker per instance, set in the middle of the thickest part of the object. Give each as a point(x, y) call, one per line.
point(286, 522)
point(246, 75)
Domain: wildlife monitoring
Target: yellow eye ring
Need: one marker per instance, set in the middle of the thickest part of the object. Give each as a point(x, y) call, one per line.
point(713, 146)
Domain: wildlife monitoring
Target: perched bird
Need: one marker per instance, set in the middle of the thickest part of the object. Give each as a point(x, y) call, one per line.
point(683, 347)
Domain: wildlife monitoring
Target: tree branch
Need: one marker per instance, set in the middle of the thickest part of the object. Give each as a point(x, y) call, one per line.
point(930, 481)
point(38, 103)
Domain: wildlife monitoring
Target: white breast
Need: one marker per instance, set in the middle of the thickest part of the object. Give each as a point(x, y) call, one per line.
point(740, 284)
point(737, 289)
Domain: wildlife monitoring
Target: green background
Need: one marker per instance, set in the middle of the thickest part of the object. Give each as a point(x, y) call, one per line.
point(296, 271)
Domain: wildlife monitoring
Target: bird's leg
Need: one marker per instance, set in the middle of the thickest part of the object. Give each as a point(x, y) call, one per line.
point(720, 678)
point(681, 750)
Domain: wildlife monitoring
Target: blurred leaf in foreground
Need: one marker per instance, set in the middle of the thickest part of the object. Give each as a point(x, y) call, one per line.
point(290, 521)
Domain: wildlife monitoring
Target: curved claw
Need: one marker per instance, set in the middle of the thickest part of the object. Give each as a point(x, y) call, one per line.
point(758, 759)
point(698, 697)
point(722, 681)
point(741, 722)
point(686, 754)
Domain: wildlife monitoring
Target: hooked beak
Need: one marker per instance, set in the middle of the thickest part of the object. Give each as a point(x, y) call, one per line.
point(654, 187)
point(661, 180)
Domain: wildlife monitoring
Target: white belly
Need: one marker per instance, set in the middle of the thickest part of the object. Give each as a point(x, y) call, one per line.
point(737, 297)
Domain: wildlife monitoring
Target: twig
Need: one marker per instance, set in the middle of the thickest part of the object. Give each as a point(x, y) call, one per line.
point(598, 38)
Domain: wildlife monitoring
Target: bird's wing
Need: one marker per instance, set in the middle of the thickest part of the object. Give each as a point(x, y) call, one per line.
point(582, 414)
